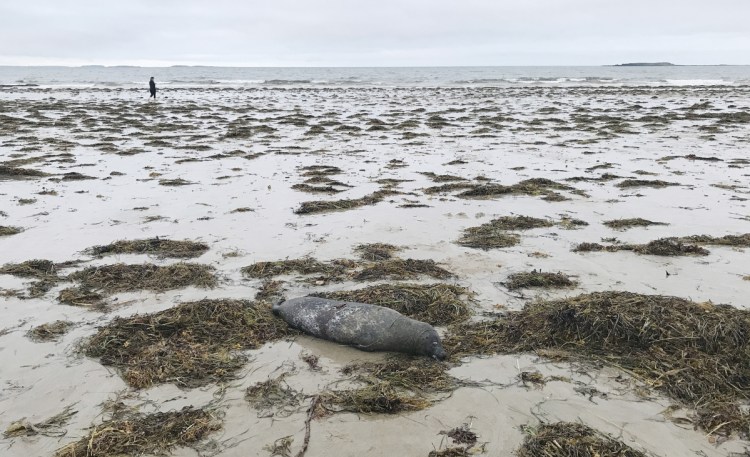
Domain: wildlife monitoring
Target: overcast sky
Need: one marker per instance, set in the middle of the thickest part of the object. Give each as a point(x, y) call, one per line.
point(373, 33)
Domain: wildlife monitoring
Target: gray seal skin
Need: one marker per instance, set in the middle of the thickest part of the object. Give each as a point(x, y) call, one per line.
point(364, 326)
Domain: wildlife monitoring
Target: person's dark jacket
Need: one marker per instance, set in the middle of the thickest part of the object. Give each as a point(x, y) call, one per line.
point(152, 86)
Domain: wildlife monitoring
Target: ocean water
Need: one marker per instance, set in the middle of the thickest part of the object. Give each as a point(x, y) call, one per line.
point(191, 77)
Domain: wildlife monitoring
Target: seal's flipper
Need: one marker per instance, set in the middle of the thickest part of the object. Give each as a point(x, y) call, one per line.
point(276, 303)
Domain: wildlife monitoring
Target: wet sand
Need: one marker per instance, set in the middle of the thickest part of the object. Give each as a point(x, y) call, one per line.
point(247, 148)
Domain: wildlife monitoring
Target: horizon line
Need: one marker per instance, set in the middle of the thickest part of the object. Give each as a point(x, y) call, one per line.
point(625, 64)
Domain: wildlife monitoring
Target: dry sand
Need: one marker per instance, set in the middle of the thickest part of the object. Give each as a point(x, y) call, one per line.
point(134, 149)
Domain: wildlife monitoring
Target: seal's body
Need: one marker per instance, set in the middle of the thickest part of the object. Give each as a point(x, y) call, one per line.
point(364, 326)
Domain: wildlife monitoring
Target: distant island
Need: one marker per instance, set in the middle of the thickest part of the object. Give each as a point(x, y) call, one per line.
point(646, 64)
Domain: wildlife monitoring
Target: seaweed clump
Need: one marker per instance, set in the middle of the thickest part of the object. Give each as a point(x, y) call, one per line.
point(661, 247)
point(398, 384)
point(484, 238)
point(53, 426)
point(410, 373)
point(316, 189)
point(450, 187)
point(157, 246)
point(656, 183)
point(333, 270)
point(519, 223)
point(323, 206)
point(532, 187)
point(380, 398)
point(342, 269)
point(566, 439)
point(596, 247)
point(123, 277)
point(441, 178)
point(273, 397)
point(402, 269)
point(269, 289)
point(37, 268)
point(570, 223)
point(75, 176)
point(320, 170)
point(376, 251)
point(174, 182)
point(141, 434)
point(624, 224)
point(7, 172)
point(669, 247)
point(436, 304)
point(535, 278)
point(462, 436)
point(191, 345)
point(696, 353)
point(672, 246)
point(495, 234)
point(44, 271)
point(82, 296)
point(8, 230)
point(742, 241)
point(49, 332)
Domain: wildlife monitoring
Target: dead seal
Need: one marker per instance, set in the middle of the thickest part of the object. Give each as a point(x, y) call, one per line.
point(364, 326)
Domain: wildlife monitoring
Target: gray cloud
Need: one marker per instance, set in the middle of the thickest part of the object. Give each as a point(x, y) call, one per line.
point(388, 32)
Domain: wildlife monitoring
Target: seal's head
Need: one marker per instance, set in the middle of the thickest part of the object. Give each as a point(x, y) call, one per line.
point(438, 353)
point(430, 345)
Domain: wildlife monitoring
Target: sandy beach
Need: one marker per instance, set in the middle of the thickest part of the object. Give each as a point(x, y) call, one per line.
point(311, 174)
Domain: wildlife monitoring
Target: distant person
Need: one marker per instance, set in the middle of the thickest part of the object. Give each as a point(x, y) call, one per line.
point(152, 87)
